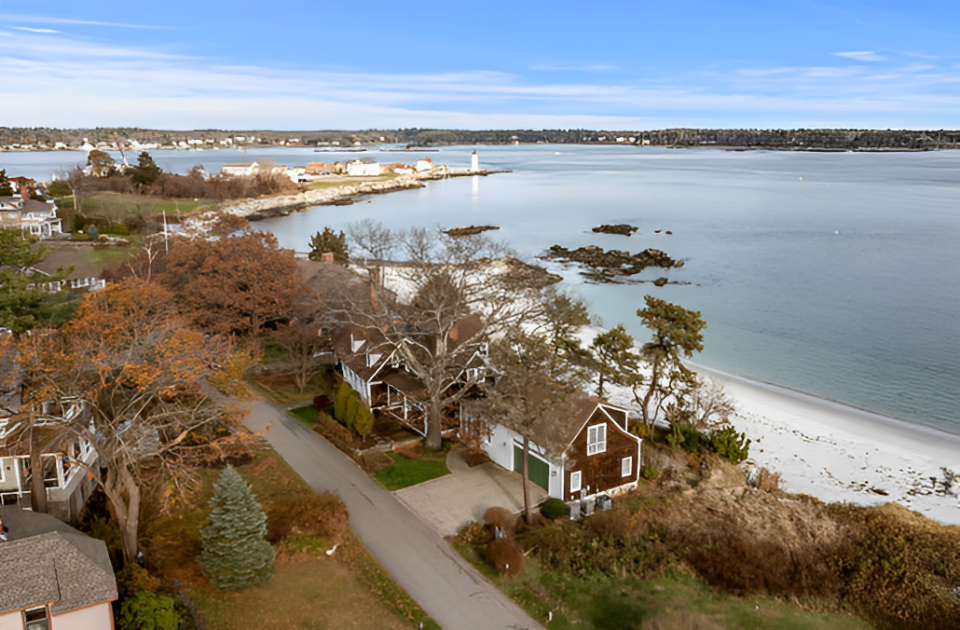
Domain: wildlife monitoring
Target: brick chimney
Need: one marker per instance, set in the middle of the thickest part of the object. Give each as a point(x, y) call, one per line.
point(326, 257)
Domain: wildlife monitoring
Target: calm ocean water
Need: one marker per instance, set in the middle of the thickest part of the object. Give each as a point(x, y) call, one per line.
point(837, 274)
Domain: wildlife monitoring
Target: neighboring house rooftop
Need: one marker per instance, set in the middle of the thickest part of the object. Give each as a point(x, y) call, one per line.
point(46, 561)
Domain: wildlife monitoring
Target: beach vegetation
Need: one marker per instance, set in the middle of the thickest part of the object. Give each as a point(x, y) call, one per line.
point(677, 333)
point(617, 360)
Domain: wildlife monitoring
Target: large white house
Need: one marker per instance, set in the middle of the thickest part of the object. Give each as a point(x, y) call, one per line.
point(31, 216)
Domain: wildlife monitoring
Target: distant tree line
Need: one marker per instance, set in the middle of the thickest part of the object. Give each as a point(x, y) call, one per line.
point(796, 139)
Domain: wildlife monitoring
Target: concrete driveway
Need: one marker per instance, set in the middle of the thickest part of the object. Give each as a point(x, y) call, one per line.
point(448, 503)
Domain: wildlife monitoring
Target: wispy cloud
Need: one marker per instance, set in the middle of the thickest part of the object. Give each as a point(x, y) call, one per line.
point(49, 19)
point(136, 86)
point(34, 30)
point(595, 68)
point(861, 55)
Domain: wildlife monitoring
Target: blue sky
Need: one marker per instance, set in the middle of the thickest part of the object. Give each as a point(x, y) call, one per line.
point(348, 64)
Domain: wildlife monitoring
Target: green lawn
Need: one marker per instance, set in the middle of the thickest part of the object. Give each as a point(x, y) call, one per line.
point(118, 206)
point(409, 472)
point(306, 415)
point(672, 601)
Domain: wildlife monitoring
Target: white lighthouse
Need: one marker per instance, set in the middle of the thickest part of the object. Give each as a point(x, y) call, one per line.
point(474, 162)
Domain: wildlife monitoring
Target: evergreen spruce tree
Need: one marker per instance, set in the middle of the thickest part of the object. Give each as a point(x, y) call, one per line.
point(235, 552)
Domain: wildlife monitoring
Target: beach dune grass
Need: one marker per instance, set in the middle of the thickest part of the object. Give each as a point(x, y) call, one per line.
point(410, 472)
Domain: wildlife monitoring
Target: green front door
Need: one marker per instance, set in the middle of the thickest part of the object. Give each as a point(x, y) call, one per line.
point(539, 469)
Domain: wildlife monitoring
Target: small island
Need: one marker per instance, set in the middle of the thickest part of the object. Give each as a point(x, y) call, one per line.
point(606, 266)
point(470, 230)
point(619, 228)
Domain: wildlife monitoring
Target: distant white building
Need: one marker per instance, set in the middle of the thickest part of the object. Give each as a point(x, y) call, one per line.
point(364, 169)
point(240, 169)
point(424, 164)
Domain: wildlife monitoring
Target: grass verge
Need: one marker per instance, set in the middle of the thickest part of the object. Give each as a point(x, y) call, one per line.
point(281, 390)
point(306, 415)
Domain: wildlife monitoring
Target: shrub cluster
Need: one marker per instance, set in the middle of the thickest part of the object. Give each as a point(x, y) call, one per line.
point(553, 508)
point(194, 186)
point(323, 516)
point(351, 411)
point(726, 442)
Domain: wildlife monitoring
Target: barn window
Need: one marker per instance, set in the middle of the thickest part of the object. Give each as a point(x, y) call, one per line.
point(626, 466)
point(596, 439)
point(575, 481)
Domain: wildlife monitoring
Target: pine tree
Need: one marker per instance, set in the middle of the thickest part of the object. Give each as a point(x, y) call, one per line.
point(329, 241)
point(235, 552)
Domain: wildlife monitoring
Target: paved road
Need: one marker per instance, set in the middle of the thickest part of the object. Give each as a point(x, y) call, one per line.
point(451, 591)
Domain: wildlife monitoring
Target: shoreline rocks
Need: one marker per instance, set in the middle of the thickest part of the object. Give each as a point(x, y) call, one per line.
point(619, 228)
point(470, 230)
point(605, 266)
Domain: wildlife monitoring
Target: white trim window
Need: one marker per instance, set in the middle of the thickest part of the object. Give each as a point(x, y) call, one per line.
point(576, 481)
point(596, 439)
point(626, 466)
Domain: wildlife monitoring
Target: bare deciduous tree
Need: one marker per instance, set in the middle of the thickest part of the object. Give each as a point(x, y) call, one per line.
point(448, 299)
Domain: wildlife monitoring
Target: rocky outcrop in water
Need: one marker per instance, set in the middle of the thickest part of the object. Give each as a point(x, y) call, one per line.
point(608, 265)
point(470, 230)
point(619, 228)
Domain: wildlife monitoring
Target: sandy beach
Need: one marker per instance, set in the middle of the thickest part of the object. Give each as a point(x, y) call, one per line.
point(840, 453)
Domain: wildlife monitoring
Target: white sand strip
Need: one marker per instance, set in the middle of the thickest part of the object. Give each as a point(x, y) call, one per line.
point(840, 453)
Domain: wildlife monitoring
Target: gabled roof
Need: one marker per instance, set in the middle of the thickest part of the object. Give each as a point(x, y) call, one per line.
point(49, 562)
point(353, 344)
point(557, 431)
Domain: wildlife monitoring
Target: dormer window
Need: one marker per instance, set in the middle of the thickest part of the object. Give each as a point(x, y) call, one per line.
point(356, 344)
point(372, 358)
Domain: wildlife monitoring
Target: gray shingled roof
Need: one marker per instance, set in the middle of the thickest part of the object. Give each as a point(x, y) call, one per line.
point(60, 566)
